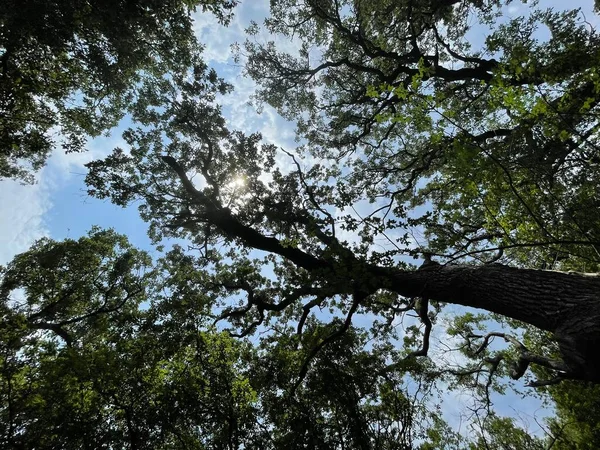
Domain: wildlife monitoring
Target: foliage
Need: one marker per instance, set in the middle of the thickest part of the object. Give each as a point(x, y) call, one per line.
point(73, 67)
point(63, 287)
point(122, 375)
point(485, 150)
point(491, 143)
point(501, 433)
point(577, 421)
point(153, 373)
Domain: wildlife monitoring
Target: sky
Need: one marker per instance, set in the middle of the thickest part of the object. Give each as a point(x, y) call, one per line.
point(58, 207)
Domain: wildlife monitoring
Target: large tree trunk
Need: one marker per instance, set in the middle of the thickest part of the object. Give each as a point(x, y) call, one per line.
point(566, 304)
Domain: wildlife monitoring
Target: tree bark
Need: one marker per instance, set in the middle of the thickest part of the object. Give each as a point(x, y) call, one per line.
point(566, 304)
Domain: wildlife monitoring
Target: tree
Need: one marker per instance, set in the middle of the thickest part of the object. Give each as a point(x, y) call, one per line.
point(496, 143)
point(488, 146)
point(92, 357)
point(476, 188)
point(74, 66)
point(491, 154)
point(127, 357)
point(66, 285)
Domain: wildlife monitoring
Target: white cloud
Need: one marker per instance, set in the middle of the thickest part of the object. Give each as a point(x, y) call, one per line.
point(514, 10)
point(217, 39)
point(62, 166)
point(22, 208)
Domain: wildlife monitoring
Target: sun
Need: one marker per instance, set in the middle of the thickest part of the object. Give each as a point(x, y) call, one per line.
point(238, 182)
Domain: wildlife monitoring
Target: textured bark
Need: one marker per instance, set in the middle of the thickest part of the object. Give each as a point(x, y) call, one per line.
point(566, 304)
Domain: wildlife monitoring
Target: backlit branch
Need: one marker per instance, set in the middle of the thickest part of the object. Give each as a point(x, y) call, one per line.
point(423, 313)
point(232, 228)
point(526, 357)
point(356, 300)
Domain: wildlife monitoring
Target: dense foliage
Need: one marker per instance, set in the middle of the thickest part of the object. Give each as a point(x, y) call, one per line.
point(99, 350)
point(293, 317)
point(494, 137)
point(71, 67)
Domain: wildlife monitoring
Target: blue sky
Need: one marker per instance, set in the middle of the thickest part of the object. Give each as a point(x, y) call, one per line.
point(58, 207)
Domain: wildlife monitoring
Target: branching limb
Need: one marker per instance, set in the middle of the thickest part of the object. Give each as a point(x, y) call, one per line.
point(306, 310)
point(56, 328)
point(59, 327)
point(423, 313)
point(311, 196)
point(538, 383)
point(104, 309)
point(357, 299)
point(526, 357)
point(258, 299)
point(232, 228)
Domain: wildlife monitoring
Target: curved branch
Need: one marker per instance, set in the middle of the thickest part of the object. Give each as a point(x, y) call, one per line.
point(231, 227)
point(56, 328)
point(526, 357)
point(357, 299)
point(424, 316)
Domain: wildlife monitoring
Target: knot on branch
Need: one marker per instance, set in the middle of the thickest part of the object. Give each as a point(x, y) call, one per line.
point(428, 263)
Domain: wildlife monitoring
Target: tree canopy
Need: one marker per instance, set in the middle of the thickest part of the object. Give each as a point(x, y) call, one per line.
point(278, 326)
point(72, 67)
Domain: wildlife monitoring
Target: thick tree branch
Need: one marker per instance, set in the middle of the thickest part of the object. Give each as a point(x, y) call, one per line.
point(234, 229)
point(526, 357)
point(511, 292)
